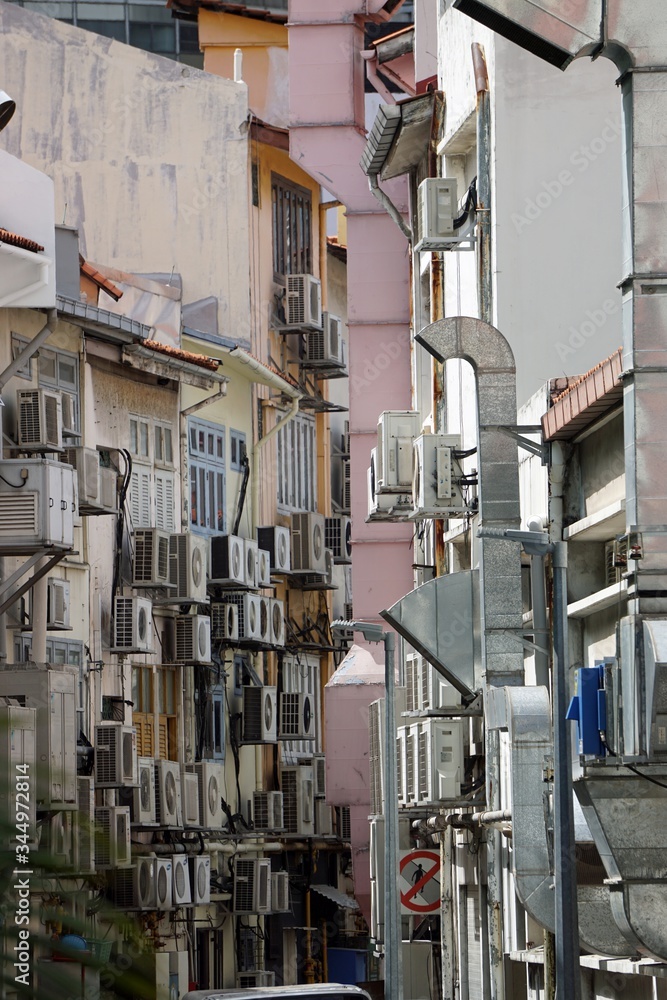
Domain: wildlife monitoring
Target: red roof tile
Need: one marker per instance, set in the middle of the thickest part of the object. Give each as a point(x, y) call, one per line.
point(19, 241)
point(98, 279)
point(175, 352)
point(584, 399)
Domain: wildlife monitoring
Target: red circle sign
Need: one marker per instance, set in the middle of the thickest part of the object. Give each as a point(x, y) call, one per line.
point(425, 873)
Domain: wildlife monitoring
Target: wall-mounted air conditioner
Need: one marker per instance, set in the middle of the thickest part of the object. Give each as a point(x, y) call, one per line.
point(397, 430)
point(264, 620)
point(84, 839)
point(37, 505)
point(86, 463)
point(297, 716)
point(224, 622)
point(150, 565)
point(385, 506)
point(68, 412)
point(308, 543)
point(252, 885)
point(276, 541)
point(108, 493)
point(112, 837)
point(57, 603)
point(436, 212)
point(227, 561)
point(303, 302)
point(267, 810)
point(338, 538)
point(407, 743)
point(193, 639)
point(135, 888)
point(254, 979)
point(133, 625)
point(320, 774)
point(17, 750)
point(190, 799)
point(436, 488)
point(298, 799)
point(200, 879)
point(277, 622)
point(211, 778)
point(163, 883)
point(323, 819)
point(434, 691)
point(439, 760)
point(259, 715)
point(249, 616)
point(144, 810)
point(324, 348)
point(180, 886)
point(250, 562)
point(115, 755)
point(263, 568)
point(615, 561)
point(280, 892)
point(40, 422)
point(187, 553)
point(168, 793)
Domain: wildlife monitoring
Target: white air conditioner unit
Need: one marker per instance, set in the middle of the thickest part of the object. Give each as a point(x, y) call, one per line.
point(323, 819)
point(133, 625)
point(190, 798)
point(276, 541)
point(180, 887)
point(224, 622)
point(280, 892)
point(264, 620)
point(249, 616)
point(436, 489)
point(86, 463)
point(144, 811)
point(108, 491)
point(407, 748)
point(267, 810)
point(324, 348)
point(439, 760)
point(145, 889)
point(193, 639)
point(200, 879)
point(37, 505)
point(303, 302)
point(298, 799)
point(168, 793)
point(397, 430)
point(40, 422)
point(297, 716)
point(250, 561)
point(112, 837)
point(320, 774)
point(434, 691)
point(163, 883)
point(252, 885)
point(263, 568)
point(615, 561)
point(308, 543)
point(84, 835)
point(188, 568)
point(68, 412)
point(211, 778)
point(259, 715)
point(385, 506)
point(150, 566)
point(277, 622)
point(436, 212)
point(57, 604)
point(255, 979)
point(115, 755)
point(227, 560)
point(338, 538)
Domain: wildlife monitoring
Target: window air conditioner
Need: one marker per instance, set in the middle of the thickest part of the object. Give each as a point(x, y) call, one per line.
point(263, 568)
point(227, 560)
point(252, 885)
point(439, 760)
point(250, 556)
point(303, 302)
point(200, 879)
point(37, 505)
point(255, 978)
point(276, 541)
point(193, 639)
point(108, 491)
point(297, 716)
point(133, 625)
point(436, 212)
point(211, 777)
point(249, 616)
point(280, 892)
point(258, 722)
point(151, 558)
point(86, 463)
point(180, 887)
point(68, 411)
point(57, 604)
point(40, 422)
point(144, 810)
point(224, 622)
point(323, 819)
point(308, 543)
point(324, 348)
point(298, 799)
point(435, 489)
point(115, 755)
point(267, 810)
point(320, 774)
point(163, 883)
point(277, 622)
point(338, 538)
point(168, 793)
point(112, 837)
point(84, 839)
point(190, 799)
point(187, 554)
point(397, 430)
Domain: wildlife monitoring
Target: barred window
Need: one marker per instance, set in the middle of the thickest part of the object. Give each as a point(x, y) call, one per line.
point(292, 228)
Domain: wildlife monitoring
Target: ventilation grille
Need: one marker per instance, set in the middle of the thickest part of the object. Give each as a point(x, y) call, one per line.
point(290, 801)
point(18, 514)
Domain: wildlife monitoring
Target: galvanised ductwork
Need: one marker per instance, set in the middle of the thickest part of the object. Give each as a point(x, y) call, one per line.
point(626, 812)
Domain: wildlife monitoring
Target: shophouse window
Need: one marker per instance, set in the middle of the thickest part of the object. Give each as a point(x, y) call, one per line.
point(154, 704)
point(207, 476)
point(237, 450)
point(151, 494)
point(297, 468)
point(292, 228)
point(301, 673)
point(57, 370)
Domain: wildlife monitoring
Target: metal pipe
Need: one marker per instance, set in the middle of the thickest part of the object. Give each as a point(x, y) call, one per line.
point(392, 919)
point(484, 155)
point(539, 602)
point(389, 206)
point(488, 817)
point(447, 936)
point(370, 58)
point(39, 615)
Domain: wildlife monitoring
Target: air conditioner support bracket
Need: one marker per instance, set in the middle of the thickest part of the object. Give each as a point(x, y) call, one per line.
point(517, 432)
point(37, 575)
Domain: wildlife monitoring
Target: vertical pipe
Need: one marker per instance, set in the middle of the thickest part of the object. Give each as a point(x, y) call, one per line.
point(39, 600)
point(447, 937)
point(308, 964)
point(539, 602)
point(549, 967)
point(393, 971)
point(463, 943)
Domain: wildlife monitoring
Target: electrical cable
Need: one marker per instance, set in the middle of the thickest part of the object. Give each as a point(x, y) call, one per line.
point(13, 486)
point(631, 767)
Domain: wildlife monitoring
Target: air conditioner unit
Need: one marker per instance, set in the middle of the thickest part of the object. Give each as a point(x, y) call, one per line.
point(252, 885)
point(254, 979)
point(86, 463)
point(57, 604)
point(440, 760)
point(163, 883)
point(320, 774)
point(115, 755)
point(323, 819)
point(168, 793)
point(385, 506)
point(133, 625)
point(263, 568)
point(276, 541)
point(264, 620)
point(193, 639)
point(112, 837)
point(37, 505)
point(277, 622)
point(190, 799)
point(211, 778)
point(108, 491)
point(297, 716)
point(267, 810)
point(303, 302)
point(224, 622)
point(250, 557)
point(298, 799)
point(407, 750)
point(17, 764)
point(144, 809)
point(308, 543)
point(40, 422)
point(397, 430)
point(258, 722)
point(436, 212)
point(200, 879)
point(249, 616)
point(338, 538)
point(324, 348)
point(187, 554)
point(180, 887)
point(280, 892)
point(135, 888)
point(84, 840)
point(436, 489)
point(434, 691)
point(346, 499)
point(615, 561)
point(227, 560)
point(150, 566)
point(68, 412)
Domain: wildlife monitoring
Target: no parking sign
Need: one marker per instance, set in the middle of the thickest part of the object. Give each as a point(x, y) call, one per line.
point(419, 882)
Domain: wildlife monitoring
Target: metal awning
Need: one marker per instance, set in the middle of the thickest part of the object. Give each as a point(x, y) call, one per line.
point(165, 366)
point(400, 136)
point(336, 896)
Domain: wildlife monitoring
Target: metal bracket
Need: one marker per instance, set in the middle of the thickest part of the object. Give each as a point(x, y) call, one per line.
point(37, 575)
point(517, 432)
point(521, 637)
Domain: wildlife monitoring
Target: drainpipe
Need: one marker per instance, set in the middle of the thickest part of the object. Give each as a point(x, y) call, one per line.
point(539, 602)
point(370, 58)
point(388, 206)
point(447, 936)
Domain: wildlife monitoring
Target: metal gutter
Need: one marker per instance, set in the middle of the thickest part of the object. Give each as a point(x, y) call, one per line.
point(107, 324)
